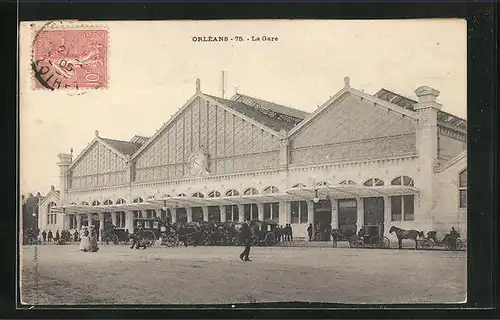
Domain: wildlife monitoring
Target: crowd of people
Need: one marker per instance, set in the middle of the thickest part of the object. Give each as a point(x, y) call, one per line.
point(319, 232)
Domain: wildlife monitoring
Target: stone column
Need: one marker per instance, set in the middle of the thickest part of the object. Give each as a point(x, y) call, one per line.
point(241, 213)
point(205, 213)
point(78, 222)
point(360, 221)
point(101, 221)
point(173, 212)
point(310, 211)
point(189, 211)
point(129, 221)
point(387, 214)
point(222, 210)
point(335, 214)
point(113, 218)
point(282, 212)
point(260, 208)
point(289, 212)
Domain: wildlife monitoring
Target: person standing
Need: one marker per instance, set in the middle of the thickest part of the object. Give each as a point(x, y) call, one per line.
point(44, 235)
point(246, 235)
point(310, 231)
point(50, 236)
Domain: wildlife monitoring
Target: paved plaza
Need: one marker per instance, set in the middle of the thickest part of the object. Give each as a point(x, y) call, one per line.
point(57, 275)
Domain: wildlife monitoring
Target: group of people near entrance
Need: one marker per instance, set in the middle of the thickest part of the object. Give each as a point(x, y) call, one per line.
point(88, 243)
point(320, 232)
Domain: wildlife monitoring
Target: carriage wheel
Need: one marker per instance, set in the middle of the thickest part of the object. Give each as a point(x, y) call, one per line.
point(427, 244)
point(380, 242)
point(115, 239)
point(459, 245)
point(148, 234)
point(354, 242)
point(334, 243)
point(270, 239)
point(255, 240)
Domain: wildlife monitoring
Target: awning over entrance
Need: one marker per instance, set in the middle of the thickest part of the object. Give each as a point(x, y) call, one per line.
point(294, 194)
point(351, 191)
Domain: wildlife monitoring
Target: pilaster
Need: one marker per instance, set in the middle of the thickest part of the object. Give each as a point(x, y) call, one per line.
point(260, 208)
point(310, 211)
point(205, 213)
point(241, 215)
point(282, 212)
point(222, 210)
point(335, 215)
point(360, 219)
point(173, 211)
point(189, 211)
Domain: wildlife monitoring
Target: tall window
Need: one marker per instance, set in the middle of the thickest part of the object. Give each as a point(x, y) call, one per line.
point(299, 212)
point(462, 188)
point(72, 221)
point(120, 219)
point(232, 213)
point(402, 207)
point(51, 217)
point(271, 211)
point(251, 211)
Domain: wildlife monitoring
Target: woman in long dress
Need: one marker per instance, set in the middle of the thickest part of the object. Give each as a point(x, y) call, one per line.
point(85, 242)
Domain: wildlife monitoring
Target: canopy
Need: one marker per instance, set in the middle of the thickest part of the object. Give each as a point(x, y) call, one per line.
point(294, 194)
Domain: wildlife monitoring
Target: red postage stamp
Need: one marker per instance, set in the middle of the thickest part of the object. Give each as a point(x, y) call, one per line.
point(70, 59)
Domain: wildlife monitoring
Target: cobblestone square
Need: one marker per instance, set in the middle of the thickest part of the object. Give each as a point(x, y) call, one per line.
point(61, 275)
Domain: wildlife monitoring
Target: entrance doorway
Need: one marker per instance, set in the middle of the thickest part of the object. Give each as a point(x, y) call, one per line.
point(322, 219)
point(374, 212)
point(348, 213)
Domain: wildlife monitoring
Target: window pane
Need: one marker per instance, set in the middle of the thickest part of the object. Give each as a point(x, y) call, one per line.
point(267, 211)
point(407, 181)
point(396, 208)
point(396, 181)
point(463, 198)
point(463, 179)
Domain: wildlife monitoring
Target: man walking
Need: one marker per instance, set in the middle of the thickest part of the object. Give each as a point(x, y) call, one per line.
point(246, 235)
point(310, 231)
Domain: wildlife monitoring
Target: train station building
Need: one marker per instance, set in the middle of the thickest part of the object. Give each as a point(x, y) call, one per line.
point(358, 159)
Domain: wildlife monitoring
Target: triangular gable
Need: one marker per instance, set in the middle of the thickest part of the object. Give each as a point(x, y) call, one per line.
point(206, 98)
point(330, 103)
point(97, 140)
point(52, 195)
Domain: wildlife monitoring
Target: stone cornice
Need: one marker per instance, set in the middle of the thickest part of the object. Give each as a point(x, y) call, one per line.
point(452, 132)
point(353, 164)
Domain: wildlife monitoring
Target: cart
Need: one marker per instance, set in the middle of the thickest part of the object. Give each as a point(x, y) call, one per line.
point(263, 232)
point(373, 238)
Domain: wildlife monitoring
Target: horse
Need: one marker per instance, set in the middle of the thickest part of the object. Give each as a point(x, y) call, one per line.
point(406, 234)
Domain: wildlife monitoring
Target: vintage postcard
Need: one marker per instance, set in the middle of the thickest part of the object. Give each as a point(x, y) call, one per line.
point(235, 162)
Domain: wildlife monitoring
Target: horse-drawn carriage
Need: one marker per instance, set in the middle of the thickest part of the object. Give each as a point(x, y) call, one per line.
point(150, 228)
point(373, 237)
point(450, 241)
point(263, 232)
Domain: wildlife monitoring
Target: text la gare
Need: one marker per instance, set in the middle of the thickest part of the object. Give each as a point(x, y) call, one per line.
point(264, 38)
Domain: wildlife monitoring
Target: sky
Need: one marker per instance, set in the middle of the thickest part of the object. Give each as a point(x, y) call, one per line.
point(153, 67)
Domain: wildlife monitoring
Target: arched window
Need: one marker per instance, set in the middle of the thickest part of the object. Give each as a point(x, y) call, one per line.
point(402, 181)
point(108, 202)
point(344, 182)
point(150, 198)
point(271, 189)
point(250, 191)
point(322, 183)
point(181, 195)
point(299, 185)
point(198, 195)
point(232, 192)
point(462, 188)
point(95, 203)
point(50, 206)
point(73, 203)
point(374, 182)
point(138, 200)
point(121, 201)
point(214, 194)
point(84, 203)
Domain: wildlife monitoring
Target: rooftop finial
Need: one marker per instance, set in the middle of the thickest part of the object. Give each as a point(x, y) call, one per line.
point(198, 86)
point(97, 133)
point(346, 81)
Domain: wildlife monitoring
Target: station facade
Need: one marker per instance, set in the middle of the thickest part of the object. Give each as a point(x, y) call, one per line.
point(358, 159)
